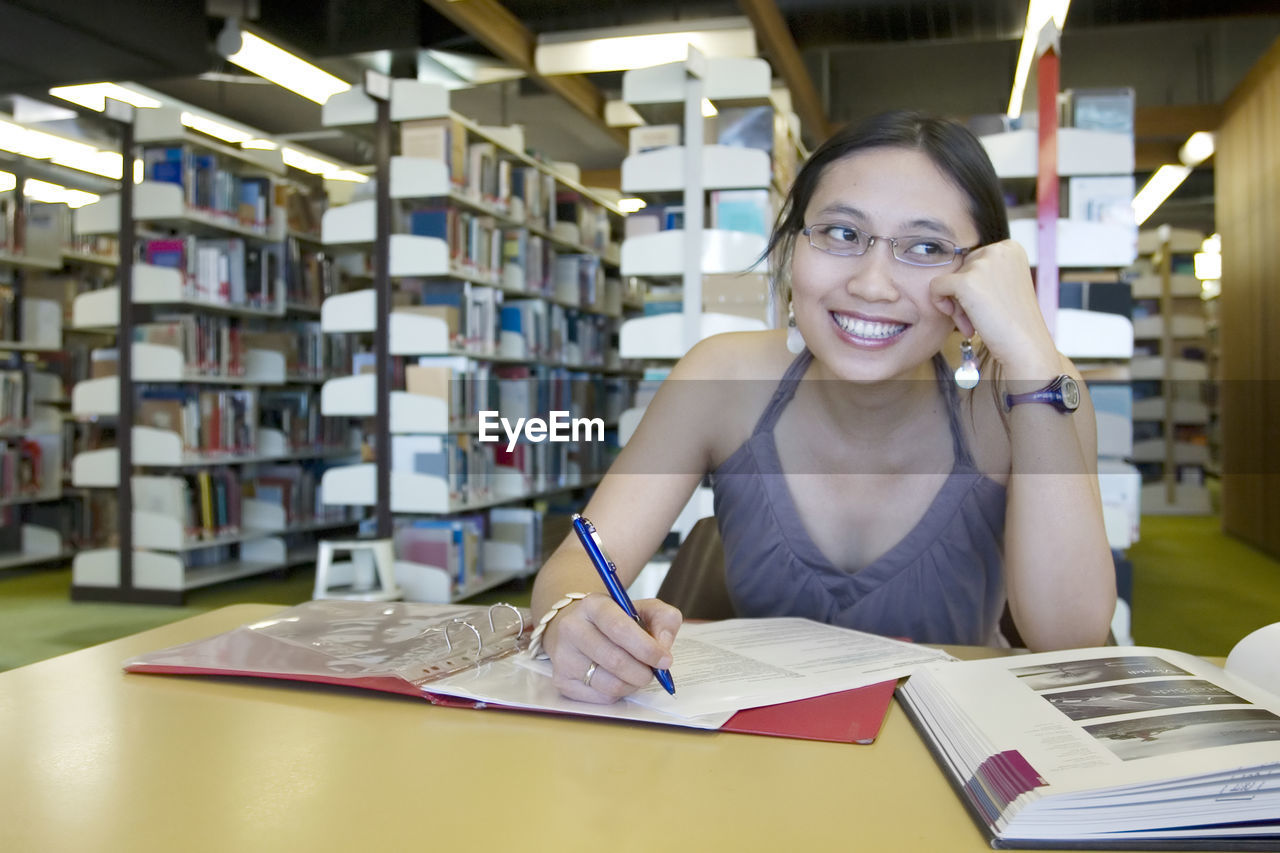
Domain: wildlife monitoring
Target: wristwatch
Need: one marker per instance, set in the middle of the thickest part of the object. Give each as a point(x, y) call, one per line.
point(1062, 393)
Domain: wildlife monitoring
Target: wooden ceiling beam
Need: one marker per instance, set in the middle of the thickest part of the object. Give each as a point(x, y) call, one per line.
point(1175, 122)
point(781, 47)
point(492, 25)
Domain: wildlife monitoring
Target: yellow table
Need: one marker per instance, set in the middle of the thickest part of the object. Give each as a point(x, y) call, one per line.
point(95, 759)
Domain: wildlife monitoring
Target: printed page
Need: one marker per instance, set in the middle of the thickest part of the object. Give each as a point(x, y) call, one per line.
point(1085, 719)
point(723, 667)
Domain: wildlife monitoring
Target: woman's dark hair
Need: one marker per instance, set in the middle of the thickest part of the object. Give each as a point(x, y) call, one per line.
point(951, 147)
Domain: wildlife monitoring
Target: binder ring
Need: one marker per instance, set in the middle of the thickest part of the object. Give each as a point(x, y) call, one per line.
point(513, 609)
point(449, 641)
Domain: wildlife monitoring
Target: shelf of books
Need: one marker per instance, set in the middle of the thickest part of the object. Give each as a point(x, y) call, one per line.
point(1095, 241)
point(709, 202)
point(505, 304)
point(1172, 386)
point(226, 444)
point(30, 420)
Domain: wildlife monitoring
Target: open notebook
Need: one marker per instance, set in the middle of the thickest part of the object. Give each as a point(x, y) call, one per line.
point(787, 677)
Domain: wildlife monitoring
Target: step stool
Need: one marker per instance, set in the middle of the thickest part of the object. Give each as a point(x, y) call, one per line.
point(369, 574)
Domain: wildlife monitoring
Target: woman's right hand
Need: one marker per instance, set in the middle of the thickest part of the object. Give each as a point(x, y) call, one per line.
point(595, 630)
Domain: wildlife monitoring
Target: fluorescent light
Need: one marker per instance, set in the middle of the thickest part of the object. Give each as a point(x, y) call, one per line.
point(1039, 13)
point(319, 166)
point(631, 205)
point(70, 153)
point(1212, 244)
point(625, 48)
point(213, 127)
point(260, 144)
point(1208, 266)
point(1197, 148)
point(256, 54)
point(38, 190)
point(93, 95)
point(709, 109)
point(1161, 185)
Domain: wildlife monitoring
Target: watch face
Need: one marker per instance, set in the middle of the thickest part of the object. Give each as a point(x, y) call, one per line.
point(1070, 394)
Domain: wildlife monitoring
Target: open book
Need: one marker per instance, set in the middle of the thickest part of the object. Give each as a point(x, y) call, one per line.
point(1115, 748)
point(797, 678)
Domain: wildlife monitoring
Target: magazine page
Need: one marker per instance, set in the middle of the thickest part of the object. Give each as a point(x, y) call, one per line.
point(1105, 717)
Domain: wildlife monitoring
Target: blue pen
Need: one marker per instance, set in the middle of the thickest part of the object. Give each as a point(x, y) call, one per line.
point(608, 572)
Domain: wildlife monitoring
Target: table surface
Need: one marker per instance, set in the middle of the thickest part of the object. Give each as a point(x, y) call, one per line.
point(97, 759)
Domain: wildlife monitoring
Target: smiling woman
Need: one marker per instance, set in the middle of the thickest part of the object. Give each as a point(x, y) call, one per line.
point(855, 483)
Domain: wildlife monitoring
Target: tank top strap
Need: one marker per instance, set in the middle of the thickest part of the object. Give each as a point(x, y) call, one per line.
point(946, 380)
point(784, 392)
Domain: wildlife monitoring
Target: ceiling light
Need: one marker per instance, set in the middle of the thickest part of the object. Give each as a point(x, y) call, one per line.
point(256, 54)
point(319, 166)
point(625, 48)
point(70, 153)
point(1160, 186)
point(709, 109)
point(94, 95)
point(213, 127)
point(1212, 244)
point(38, 190)
point(1197, 148)
point(1208, 266)
point(260, 144)
point(1039, 13)
point(631, 205)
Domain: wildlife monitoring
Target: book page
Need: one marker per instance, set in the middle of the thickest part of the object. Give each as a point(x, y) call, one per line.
point(1093, 718)
point(745, 663)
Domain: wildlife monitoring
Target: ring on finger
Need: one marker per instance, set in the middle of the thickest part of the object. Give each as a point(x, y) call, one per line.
point(591, 671)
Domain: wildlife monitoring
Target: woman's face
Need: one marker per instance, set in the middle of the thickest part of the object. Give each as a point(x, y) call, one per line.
point(870, 317)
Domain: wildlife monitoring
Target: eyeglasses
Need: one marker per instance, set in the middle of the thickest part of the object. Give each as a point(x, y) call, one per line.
point(845, 240)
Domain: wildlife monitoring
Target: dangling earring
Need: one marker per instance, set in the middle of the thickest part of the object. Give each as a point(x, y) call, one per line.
point(967, 372)
point(795, 341)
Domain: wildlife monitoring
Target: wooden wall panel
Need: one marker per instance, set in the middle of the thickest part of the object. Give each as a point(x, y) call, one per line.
point(1247, 180)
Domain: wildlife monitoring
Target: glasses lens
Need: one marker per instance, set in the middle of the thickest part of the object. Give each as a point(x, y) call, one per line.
point(925, 251)
point(838, 239)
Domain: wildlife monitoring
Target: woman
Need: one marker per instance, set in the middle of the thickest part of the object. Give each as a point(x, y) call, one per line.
point(855, 483)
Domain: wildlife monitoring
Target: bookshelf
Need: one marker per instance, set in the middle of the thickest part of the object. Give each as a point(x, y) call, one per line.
point(1092, 323)
point(30, 420)
point(489, 284)
point(1171, 374)
point(210, 428)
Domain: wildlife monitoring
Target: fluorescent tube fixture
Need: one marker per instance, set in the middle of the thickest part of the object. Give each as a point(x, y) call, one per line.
point(319, 166)
point(1160, 186)
point(1039, 13)
point(1197, 148)
point(215, 128)
point(709, 109)
point(1208, 266)
point(94, 95)
point(38, 190)
point(625, 48)
point(256, 54)
point(631, 205)
point(70, 153)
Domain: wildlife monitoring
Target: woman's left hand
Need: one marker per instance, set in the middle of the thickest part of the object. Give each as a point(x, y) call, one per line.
point(992, 294)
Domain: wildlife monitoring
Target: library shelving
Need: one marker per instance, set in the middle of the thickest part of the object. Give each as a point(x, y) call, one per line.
point(1091, 319)
point(1171, 374)
point(1092, 324)
point(30, 420)
point(214, 442)
point(490, 286)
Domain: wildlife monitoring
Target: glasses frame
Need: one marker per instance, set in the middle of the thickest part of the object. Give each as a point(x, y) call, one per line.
point(958, 251)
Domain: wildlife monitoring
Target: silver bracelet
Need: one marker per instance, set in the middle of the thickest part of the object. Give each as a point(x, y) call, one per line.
point(535, 640)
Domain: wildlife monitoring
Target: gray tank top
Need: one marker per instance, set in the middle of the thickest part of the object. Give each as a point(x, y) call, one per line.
point(943, 583)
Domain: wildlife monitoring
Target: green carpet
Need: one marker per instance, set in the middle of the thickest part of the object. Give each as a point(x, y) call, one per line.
point(1194, 589)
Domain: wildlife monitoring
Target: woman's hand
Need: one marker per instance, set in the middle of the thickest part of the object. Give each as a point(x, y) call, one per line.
point(595, 630)
point(992, 294)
